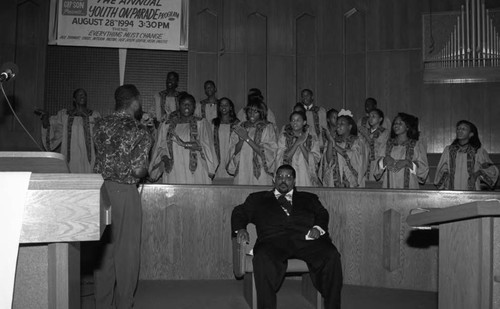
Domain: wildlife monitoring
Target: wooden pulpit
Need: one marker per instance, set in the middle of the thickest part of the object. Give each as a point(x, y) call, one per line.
point(61, 210)
point(469, 253)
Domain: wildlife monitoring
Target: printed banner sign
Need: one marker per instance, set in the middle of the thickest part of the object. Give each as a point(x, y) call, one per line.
point(148, 24)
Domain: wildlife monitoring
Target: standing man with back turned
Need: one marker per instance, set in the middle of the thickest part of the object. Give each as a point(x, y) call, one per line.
point(290, 224)
point(122, 147)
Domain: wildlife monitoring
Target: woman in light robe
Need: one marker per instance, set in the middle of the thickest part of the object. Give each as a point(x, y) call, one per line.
point(343, 162)
point(208, 107)
point(184, 152)
point(376, 137)
point(464, 164)
point(254, 94)
point(72, 130)
point(300, 149)
point(166, 101)
point(331, 126)
point(253, 147)
point(222, 126)
point(404, 161)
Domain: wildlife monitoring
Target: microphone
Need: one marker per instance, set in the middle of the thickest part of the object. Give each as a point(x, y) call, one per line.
point(8, 71)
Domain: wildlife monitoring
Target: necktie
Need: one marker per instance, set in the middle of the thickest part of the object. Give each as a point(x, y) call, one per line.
point(287, 206)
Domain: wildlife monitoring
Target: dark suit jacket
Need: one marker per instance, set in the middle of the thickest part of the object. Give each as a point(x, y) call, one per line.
point(272, 223)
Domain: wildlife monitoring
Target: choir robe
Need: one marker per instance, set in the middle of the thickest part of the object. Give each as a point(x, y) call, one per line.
point(164, 106)
point(210, 110)
point(241, 164)
point(348, 171)
point(73, 143)
point(224, 135)
point(396, 180)
point(322, 124)
point(386, 123)
point(181, 173)
point(305, 168)
point(480, 161)
point(374, 152)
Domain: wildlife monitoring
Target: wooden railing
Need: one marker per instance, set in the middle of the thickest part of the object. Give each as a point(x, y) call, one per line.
point(187, 234)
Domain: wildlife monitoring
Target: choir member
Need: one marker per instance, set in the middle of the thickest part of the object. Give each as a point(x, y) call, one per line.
point(166, 101)
point(331, 125)
point(300, 149)
point(72, 130)
point(404, 161)
point(376, 137)
point(299, 107)
point(208, 106)
point(371, 104)
point(255, 94)
point(184, 152)
point(316, 114)
point(253, 148)
point(464, 164)
point(343, 162)
point(222, 126)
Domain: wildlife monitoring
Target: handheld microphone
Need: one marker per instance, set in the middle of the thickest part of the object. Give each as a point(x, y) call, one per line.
point(8, 71)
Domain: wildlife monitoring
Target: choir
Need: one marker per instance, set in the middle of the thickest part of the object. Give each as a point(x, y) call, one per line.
point(208, 142)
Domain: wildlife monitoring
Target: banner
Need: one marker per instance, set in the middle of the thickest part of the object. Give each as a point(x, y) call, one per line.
point(147, 24)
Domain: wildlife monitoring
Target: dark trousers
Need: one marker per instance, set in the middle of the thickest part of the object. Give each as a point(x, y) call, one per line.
point(118, 269)
point(321, 256)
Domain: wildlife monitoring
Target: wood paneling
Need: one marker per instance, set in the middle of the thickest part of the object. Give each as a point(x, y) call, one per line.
point(394, 24)
point(64, 275)
point(188, 236)
point(496, 265)
point(466, 253)
point(256, 52)
point(391, 241)
point(467, 261)
point(232, 68)
point(32, 275)
point(330, 81)
point(306, 53)
point(390, 78)
point(355, 83)
point(276, 46)
point(63, 208)
point(281, 83)
point(383, 60)
point(207, 45)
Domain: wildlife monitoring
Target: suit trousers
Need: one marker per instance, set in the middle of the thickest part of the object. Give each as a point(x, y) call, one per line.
point(115, 279)
point(323, 261)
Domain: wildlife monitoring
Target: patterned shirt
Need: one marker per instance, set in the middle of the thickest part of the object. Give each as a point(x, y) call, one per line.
point(121, 145)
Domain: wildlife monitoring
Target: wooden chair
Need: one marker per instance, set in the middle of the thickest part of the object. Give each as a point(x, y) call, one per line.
point(243, 267)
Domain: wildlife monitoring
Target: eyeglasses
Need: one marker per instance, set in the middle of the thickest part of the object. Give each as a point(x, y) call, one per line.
point(286, 176)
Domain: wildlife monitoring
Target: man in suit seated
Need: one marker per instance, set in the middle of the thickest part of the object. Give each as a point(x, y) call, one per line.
point(290, 224)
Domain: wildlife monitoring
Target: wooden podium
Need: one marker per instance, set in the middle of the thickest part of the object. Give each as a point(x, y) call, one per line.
point(469, 253)
point(61, 210)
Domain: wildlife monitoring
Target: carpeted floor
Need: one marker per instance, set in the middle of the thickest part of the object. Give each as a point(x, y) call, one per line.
point(227, 294)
